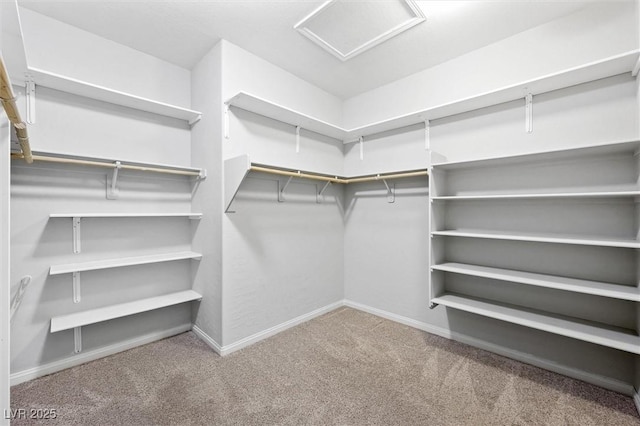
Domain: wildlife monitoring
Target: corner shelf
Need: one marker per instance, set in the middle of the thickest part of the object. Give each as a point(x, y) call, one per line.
point(542, 238)
point(600, 334)
point(236, 170)
point(608, 67)
point(79, 319)
point(121, 262)
point(116, 97)
point(615, 291)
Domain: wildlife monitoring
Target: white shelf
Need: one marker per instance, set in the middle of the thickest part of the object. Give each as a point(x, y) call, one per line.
point(616, 338)
point(601, 194)
point(120, 262)
point(596, 288)
point(608, 67)
point(125, 215)
point(79, 319)
point(100, 93)
point(283, 114)
point(542, 238)
point(612, 148)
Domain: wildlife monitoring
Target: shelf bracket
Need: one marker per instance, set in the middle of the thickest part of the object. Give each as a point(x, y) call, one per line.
point(281, 197)
point(361, 142)
point(77, 221)
point(77, 340)
point(112, 189)
point(391, 191)
point(226, 121)
point(529, 113)
point(30, 90)
point(76, 287)
point(297, 139)
point(319, 195)
point(427, 136)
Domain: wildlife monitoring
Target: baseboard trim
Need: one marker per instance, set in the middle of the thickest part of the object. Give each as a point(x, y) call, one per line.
point(605, 382)
point(636, 399)
point(84, 357)
point(254, 338)
point(207, 339)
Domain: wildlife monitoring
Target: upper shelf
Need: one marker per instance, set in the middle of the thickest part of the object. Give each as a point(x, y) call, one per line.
point(101, 93)
point(125, 215)
point(608, 67)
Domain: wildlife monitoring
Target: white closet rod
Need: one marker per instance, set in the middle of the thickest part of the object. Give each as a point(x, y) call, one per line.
point(111, 165)
point(8, 100)
point(337, 179)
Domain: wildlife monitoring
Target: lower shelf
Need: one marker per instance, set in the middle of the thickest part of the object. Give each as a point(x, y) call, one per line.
point(92, 316)
point(600, 334)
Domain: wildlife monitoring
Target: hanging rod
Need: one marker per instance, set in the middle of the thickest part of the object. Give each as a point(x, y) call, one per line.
point(337, 179)
point(109, 165)
point(8, 100)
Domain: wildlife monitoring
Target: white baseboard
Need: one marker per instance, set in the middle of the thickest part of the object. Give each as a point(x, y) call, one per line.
point(636, 399)
point(83, 357)
point(207, 339)
point(254, 338)
point(605, 382)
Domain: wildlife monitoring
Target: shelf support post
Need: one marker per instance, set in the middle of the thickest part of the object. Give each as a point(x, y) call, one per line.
point(112, 190)
point(77, 221)
point(76, 287)
point(319, 195)
point(427, 136)
point(529, 113)
point(226, 121)
point(281, 197)
point(77, 340)
point(297, 139)
point(30, 90)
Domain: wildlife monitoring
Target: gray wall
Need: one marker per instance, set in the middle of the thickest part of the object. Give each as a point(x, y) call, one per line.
point(206, 152)
point(390, 272)
point(4, 267)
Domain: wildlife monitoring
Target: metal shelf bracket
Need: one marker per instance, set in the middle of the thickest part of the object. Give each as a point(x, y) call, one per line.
point(77, 340)
point(529, 113)
point(112, 189)
point(76, 287)
point(391, 191)
point(77, 222)
point(281, 197)
point(30, 90)
point(319, 195)
point(297, 139)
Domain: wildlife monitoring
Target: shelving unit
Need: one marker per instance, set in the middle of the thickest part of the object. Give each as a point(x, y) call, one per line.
point(121, 262)
point(593, 71)
point(193, 216)
point(530, 184)
point(93, 316)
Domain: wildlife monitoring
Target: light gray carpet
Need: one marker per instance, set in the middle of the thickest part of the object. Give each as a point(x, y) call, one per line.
point(344, 368)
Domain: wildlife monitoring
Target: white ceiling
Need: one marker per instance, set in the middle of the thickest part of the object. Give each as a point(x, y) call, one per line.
point(181, 32)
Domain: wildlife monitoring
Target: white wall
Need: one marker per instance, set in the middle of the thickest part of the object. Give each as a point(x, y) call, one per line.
point(594, 33)
point(280, 260)
point(207, 153)
point(4, 268)
point(63, 49)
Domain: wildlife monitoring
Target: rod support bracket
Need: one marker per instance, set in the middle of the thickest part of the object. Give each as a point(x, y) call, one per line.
point(281, 196)
point(112, 189)
point(319, 194)
point(391, 191)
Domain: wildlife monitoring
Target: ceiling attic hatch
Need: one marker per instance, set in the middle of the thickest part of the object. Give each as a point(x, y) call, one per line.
point(348, 28)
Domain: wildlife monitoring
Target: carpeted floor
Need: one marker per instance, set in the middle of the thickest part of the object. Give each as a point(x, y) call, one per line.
point(344, 368)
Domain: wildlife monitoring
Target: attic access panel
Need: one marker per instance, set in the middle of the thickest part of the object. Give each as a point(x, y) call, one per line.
point(348, 28)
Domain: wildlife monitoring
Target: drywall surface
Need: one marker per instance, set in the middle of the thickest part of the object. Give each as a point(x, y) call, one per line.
point(594, 33)
point(4, 268)
point(280, 260)
point(386, 245)
point(207, 153)
point(63, 49)
point(246, 72)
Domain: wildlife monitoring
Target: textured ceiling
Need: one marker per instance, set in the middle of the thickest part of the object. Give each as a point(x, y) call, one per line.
point(181, 32)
